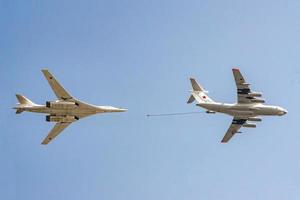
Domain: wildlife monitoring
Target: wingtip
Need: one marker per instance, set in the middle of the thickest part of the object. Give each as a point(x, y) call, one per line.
point(45, 71)
point(44, 142)
point(223, 141)
point(235, 69)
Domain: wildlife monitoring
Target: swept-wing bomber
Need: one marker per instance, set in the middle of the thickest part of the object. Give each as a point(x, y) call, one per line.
point(63, 111)
point(247, 109)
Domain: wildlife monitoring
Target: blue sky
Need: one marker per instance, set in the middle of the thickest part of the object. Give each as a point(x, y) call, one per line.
point(139, 55)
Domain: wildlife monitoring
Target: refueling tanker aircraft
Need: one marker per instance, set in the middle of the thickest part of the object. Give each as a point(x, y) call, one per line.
point(247, 108)
point(63, 111)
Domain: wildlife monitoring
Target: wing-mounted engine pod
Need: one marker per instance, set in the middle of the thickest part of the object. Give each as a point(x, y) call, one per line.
point(255, 94)
point(61, 104)
point(254, 119)
point(249, 125)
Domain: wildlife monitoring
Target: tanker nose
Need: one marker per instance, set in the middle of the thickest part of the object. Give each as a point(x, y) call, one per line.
point(283, 112)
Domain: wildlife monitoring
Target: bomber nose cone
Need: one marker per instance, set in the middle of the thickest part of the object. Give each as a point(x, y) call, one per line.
point(122, 110)
point(119, 110)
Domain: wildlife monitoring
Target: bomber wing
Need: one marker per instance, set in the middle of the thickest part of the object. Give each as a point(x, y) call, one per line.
point(244, 93)
point(59, 91)
point(56, 130)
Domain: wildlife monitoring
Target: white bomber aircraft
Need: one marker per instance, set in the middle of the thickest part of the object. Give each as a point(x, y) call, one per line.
point(247, 108)
point(63, 111)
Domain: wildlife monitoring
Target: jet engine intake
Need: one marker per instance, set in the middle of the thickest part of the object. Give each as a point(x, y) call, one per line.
point(63, 119)
point(249, 125)
point(60, 105)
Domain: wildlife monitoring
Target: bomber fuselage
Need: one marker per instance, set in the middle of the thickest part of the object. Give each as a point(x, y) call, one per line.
point(67, 111)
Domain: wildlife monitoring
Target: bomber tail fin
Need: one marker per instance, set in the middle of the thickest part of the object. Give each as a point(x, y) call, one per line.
point(198, 93)
point(23, 102)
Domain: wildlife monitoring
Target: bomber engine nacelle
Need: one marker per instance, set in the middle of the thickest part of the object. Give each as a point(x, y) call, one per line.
point(210, 112)
point(64, 119)
point(255, 94)
point(254, 119)
point(249, 125)
point(61, 104)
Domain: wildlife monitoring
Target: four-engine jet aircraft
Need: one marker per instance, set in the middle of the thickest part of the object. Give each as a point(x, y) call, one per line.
point(247, 108)
point(63, 111)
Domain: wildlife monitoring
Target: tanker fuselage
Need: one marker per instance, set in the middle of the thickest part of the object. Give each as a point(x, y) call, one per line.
point(243, 110)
